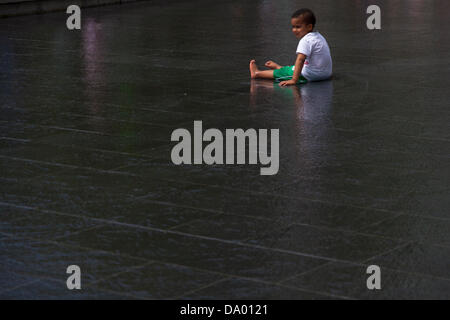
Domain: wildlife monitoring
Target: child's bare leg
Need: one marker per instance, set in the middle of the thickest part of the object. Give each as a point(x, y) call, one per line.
point(256, 73)
point(272, 65)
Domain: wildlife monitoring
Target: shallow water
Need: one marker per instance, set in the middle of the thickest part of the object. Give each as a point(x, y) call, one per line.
point(87, 179)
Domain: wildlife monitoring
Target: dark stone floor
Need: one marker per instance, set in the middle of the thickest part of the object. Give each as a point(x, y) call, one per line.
point(86, 176)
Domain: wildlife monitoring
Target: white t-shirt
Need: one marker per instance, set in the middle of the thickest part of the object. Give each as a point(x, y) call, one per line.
point(318, 65)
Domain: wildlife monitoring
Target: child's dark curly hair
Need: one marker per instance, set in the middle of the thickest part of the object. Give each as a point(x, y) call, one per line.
point(307, 15)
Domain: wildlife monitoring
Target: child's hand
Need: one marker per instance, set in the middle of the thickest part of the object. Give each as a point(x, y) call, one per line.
point(287, 83)
point(272, 65)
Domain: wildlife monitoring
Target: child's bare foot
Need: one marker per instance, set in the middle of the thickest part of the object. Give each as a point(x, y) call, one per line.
point(272, 65)
point(253, 69)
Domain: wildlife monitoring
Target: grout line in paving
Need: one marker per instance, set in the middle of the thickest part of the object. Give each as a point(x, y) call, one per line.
point(276, 195)
point(304, 198)
point(402, 245)
point(76, 130)
point(42, 278)
point(170, 204)
point(395, 214)
point(69, 166)
point(78, 232)
point(163, 262)
point(15, 139)
point(216, 272)
point(19, 286)
point(67, 245)
point(140, 155)
point(177, 297)
point(233, 242)
point(195, 220)
point(128, 269)
point(119, 120)
point(199, 237)
point(278, 285)
point(381, 221)
point(300, 178)
point(136, 155)
point(217, 186)
point(304, 272)
point(170, 126)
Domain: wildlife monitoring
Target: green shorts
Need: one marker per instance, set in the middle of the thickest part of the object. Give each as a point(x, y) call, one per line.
point(286, 73)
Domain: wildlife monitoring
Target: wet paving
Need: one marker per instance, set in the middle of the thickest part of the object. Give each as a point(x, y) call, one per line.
point(85, 151)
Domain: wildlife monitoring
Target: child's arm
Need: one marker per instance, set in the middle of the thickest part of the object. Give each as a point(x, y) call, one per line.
point(299, 62)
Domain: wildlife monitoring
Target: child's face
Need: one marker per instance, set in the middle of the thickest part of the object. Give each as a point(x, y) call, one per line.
point(299, 28)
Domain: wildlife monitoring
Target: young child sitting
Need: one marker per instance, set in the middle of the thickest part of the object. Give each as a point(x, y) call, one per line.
point(313, 61)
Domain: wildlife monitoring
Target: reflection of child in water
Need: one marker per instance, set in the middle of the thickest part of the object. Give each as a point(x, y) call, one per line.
point(313, 61)
point(313, 101)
